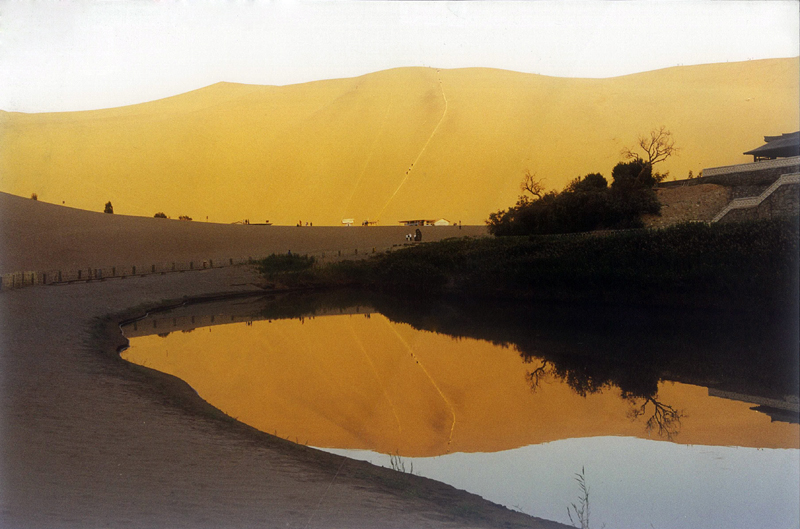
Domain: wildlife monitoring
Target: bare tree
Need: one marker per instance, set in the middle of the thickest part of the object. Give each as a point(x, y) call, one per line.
point(656, 148)
point(665, 418)
point(538, 375)
point(532, 185)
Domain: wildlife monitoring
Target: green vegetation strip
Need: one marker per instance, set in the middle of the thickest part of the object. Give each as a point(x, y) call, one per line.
point(754, 263)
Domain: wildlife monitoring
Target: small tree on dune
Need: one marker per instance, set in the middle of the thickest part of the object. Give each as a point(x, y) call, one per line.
point(109, 208)
point(656, 148)
point(531, 185)
point(160, 215)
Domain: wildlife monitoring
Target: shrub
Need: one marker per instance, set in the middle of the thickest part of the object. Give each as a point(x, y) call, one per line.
point(585, 204)
point(160, 215)
point(752, 264)
point(275, 264)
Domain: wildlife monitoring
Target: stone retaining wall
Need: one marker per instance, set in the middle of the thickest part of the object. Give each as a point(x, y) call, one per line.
point(746, 180)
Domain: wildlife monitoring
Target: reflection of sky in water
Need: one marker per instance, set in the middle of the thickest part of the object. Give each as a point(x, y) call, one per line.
point(632, 482)
point(361, 384)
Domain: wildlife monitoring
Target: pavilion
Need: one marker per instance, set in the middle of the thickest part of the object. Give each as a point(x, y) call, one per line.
point(783, 146)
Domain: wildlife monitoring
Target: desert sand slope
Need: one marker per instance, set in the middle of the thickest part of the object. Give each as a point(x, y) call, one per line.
point(408, 142)
point(36, 236)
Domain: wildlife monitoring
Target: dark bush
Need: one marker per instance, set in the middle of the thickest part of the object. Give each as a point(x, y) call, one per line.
point(752, 264)
point(276, 264)
point(585, 204)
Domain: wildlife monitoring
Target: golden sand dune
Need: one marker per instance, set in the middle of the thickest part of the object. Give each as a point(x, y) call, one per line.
point(408, 142)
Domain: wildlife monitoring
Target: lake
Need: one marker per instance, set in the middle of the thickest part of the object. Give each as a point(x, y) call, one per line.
point(672, 419)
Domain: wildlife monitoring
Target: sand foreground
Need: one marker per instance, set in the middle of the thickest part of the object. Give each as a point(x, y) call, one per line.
point(88, 440)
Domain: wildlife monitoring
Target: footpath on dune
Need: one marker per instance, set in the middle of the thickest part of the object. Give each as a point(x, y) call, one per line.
point(329, 150)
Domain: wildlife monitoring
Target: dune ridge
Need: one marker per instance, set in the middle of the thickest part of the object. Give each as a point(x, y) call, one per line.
point(396, 144)
point(36, 236)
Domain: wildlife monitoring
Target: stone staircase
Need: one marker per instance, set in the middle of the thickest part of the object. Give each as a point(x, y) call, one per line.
point(751, 202)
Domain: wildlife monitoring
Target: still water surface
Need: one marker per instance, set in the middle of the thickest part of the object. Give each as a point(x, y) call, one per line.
point(514, 428)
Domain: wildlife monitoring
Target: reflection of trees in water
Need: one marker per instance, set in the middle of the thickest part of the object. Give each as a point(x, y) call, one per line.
point(538, 375)
point(592, 348)
point(582, 383)
point(664, 419)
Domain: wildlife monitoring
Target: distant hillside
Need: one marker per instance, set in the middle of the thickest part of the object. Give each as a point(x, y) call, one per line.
point(397, 144)
point(36, 236)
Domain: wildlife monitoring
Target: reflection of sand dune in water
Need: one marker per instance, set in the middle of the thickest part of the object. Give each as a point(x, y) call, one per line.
point(428, 376)
point(366, 383)
point(318, 151)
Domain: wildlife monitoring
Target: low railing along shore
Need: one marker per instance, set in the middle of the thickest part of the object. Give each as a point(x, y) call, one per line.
point(68, 275)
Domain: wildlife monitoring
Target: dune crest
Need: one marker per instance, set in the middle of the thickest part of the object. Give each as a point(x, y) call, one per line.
point(397, 144)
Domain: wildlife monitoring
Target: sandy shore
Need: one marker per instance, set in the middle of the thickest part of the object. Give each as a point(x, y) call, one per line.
point(91, 441)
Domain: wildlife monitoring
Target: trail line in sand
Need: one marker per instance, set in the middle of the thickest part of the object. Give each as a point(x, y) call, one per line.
point(433, 383)
point(377, 377)
point(421, 152)
point(369, 156)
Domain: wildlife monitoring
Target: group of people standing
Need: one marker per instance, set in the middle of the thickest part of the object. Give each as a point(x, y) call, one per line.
point(414, 237)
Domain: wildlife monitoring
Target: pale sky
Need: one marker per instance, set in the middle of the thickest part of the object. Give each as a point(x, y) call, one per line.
point(74, 55)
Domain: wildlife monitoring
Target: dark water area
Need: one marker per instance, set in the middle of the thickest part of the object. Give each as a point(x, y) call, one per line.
point(680, 418)
point(590, 346)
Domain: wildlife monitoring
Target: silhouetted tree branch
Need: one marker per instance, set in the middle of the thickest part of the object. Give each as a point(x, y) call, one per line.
point(665, 418)
point(532, 185)
point(659, 146)
point(536, 376)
